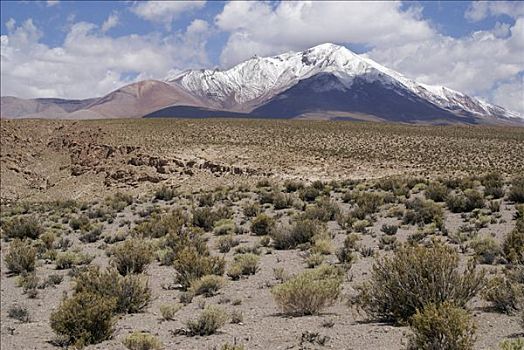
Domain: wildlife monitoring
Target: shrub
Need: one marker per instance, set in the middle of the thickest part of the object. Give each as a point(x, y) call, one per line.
point(314, 260)
point(293, 185)
point(204, 218)
point(251, 210)
point(513, 246)
point(512, 344)
point(466, 202)
point(168, 311)
point(309, 292)
point(504, 295)
point(389, 230)
point(442, 326)
point(224, 227)
point(282, 201)
point(346, 254)
point(493, 185)
point(142, 341)
point(322, 245)
point(369, 202)
point(486, 249)
point(19, 313)
point(416, 276)
point(131, 293)
point(165, 193)
point(422, 212)
point(301, 232)
point(209, 321)
point(516, 191)
point(80, 222)
point(23, 227)
point(309, 194)
point(192, 265)
point(244, 264)
point(131, 256)
point(262, 225)
point(207, 285)
point(437, 192)
point(324, 210)
point(66, 260)
point(92, 235)
point(456, 203)
point(85, 318)
point(225, 243)
point(20, 257)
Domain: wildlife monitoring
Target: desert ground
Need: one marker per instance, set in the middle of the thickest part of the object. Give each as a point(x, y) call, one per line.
point(221, 216)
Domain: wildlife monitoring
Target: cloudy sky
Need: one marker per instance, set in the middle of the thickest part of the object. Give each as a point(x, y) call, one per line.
point(85, 49)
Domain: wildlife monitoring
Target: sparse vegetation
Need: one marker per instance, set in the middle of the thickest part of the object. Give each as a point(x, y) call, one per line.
point(142, 341)
point(416, 276)
point(20, 257)
point(209, 321)
point(85, 318)
point(310, 292)
point(442, 326)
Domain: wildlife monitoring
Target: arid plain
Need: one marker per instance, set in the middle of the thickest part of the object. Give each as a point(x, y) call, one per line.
point(227, 217)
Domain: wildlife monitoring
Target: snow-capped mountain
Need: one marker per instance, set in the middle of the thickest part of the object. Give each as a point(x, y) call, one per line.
point(326, 81)
point(252, 83)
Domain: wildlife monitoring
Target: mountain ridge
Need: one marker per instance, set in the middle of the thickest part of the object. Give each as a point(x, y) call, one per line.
point(262, 86)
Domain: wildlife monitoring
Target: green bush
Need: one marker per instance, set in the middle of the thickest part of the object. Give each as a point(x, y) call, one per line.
point(207, 285)
point(244, 265)
point(80, 222)
point(302, 231)
point(168, 311)
point(309, 193)
point(85, 318)
point(225, 243)
point(513, 246)
point(416, 276)
point(293, 185)
point(324, 210)
point(131, 293)
point(466, 202)
point(23, 227)
point(19, 313)
point(516, 191)
point(165, 193)
point(437, 192)
point(486, 249)
point(309, 292)
point(224, 227)
point(66, 260)
point(262, 225)
point(131, 256)
point(345, 254)
point(504, 294)
point(191, 265)
point(368, 202)
point(209, 321)
point(20, 257)
point(422, 212)
point(493, 185)
point(142, 341)
point(251, 210)
point(442, 326)
point(512, 344)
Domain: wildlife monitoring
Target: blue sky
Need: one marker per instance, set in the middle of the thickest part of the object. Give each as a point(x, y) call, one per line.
point(84, 48)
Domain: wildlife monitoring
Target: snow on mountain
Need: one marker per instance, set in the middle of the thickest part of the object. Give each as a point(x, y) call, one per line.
point(255, 81)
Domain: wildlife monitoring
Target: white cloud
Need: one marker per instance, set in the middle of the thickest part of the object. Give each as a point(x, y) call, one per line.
point(50, 3)
point(111, 22)
point(90, 63)
point(474, 64)
point(262, 28)
point(511, 94)
point(164, 11)
point(479, 10)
